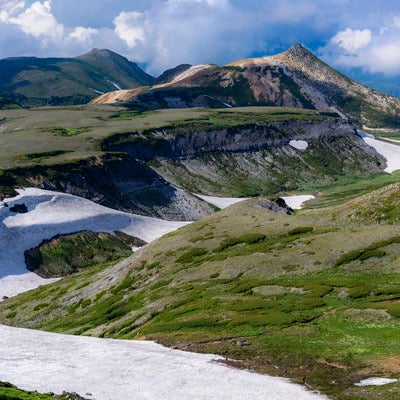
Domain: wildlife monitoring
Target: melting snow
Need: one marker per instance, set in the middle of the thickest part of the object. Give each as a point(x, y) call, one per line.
point(221, 202)
point(376, 381)
point(117, 369)
point(296, 202)
point(390, 151)
point(51, 213)
point(115, 85)
point(299, 144)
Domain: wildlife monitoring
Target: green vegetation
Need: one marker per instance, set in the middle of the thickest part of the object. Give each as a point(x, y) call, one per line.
point(38, 157)
point(313, 295)
point(67, 254)
point(77, 131)
point(11, 392)
point(69, 131)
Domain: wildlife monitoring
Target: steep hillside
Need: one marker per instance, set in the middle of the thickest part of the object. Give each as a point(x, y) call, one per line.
point(308, 295)
point(295, 78)
point(31, 81)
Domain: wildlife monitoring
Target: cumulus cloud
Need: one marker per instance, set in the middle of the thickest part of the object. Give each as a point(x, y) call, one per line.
point(353, 40)
point(82, 34)
point(129, 27)
point(163, 33)
point(375, 51)
point(8, 8)
point(186, 31)
point(38, 21)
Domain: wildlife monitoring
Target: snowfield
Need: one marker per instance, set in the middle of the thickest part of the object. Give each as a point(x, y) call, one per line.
point(296, 202)
point(390, 151)
point(51, 213)
point(221, 202)
point(105, 369)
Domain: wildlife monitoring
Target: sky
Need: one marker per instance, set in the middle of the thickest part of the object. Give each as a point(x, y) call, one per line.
point(351, 35)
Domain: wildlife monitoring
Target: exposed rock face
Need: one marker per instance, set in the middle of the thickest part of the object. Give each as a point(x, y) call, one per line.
point(171, 143)
point(117, 181)
point(252, 159)
point(19, 208)
point(295, 78)
point(146, 172)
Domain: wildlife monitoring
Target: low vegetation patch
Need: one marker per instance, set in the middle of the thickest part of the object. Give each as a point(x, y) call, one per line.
point(67, 254)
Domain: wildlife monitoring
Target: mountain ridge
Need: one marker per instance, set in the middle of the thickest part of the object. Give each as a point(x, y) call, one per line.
point(294, 78)
point(32, 81)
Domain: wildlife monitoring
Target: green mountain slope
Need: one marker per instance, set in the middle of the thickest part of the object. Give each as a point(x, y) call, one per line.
point(31, 81)
point(313, 295)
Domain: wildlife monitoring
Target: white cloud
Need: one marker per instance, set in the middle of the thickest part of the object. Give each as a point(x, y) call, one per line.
point(353, 40)
point(373, 52)
point(129, 27)
point(9, 8)
point(38, 21)
point(184, 31)
point(82, 34)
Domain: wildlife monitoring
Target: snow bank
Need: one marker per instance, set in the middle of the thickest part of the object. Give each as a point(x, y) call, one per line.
point(221, 202)
point(116, 369)
point(299, 144)
point(376, 381)
point(51, 213)
point(390, 151)
point(296, 202)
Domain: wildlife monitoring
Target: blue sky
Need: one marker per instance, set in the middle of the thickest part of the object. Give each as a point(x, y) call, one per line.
point(159, 34)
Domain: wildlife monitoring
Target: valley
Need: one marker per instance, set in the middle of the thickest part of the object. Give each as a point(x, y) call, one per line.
point(266, 233)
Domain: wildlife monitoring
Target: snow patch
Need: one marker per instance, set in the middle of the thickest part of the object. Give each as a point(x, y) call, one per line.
point(96, 91)
point(221, 202)
point(391, 151)
point(188, 73)
point(296, 202)
point(119, 369)
point(51, 213)
point(115, 85)
point(376, 381)
point(299, 144)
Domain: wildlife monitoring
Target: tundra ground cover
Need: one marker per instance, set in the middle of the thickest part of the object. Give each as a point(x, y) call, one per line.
point(312, 296)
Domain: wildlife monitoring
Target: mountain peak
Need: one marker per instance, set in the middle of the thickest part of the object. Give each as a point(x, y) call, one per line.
point(100, 53)
point(297, 50)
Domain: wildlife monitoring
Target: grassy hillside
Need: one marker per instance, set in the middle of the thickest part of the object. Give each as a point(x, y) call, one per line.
point(11, 392)
point(32, 82)
point(57, 134)
point(313, 295)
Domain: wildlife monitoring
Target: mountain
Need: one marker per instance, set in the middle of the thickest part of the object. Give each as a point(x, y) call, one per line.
point(312, 295)
point(295, 78)
point(31, 81)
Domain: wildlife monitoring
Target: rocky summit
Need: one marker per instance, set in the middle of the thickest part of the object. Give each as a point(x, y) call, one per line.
point(295, 78)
